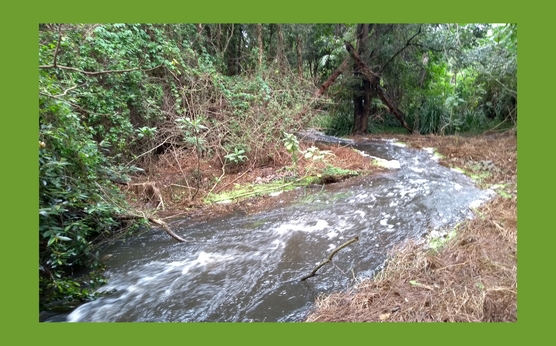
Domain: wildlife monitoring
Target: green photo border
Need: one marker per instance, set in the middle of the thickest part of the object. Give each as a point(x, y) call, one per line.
point(20, 189)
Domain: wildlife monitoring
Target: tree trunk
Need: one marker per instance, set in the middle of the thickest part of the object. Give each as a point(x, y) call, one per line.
point(218, 37)
point(238, 61)
point(299, 59)
point(270, 52)
point(231, 52)
point(199, 39)
point(361, 93)
point(315, 69)
point(209, 34)
point(375, 83)
point(367, 102)
point(280, 48)
point(357, 111)
point(260, 41)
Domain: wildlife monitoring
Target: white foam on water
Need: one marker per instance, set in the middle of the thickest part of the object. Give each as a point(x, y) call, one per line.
point(299, 225)
point(361, 213)
point(206, 258)
point(390, 164)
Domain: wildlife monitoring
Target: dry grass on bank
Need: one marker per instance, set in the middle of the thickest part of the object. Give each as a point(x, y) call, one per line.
point(473, 278)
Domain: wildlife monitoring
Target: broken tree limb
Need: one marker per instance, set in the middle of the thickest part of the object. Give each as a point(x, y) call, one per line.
point(375, 82)
point(159, 222)
point(167, 229)
point(329, 259)
point(99, 72)
point(332, 78)
point(318, 93)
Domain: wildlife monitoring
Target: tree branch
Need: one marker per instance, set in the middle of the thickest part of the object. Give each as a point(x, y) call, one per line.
point(97, 73)
point(329, 259)
point(129, 163)
point(337, 72)
point(433, 49)
point(159, 222)
point(66, 91)
point(58, 43)
point(404, 47)
point(228, 41)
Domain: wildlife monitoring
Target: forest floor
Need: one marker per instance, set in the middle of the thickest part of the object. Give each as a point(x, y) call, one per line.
point(473, 276)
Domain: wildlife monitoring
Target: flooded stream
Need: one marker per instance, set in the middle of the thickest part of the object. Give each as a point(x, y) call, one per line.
point(244, 268)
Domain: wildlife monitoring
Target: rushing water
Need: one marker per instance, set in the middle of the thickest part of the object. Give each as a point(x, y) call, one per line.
point(247, 267)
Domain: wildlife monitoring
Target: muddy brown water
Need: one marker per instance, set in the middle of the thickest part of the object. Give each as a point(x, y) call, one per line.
point(244, 268)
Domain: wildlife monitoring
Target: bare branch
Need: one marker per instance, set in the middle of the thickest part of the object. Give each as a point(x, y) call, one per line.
point(159, 222)
point(100, 72)
point(228, 41)
point(329, 259)
point(58, 43)
point(403, 48)
point(135, 159)
point(66, 91)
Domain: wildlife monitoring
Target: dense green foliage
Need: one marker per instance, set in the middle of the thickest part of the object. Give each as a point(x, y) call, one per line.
point(447, 79)
point(77, 202)
point(114, 96)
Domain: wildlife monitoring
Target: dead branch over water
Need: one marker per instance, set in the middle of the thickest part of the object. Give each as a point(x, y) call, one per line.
point(329, 259)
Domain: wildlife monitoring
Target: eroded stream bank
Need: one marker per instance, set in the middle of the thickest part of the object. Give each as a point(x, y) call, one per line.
point(247, 267)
